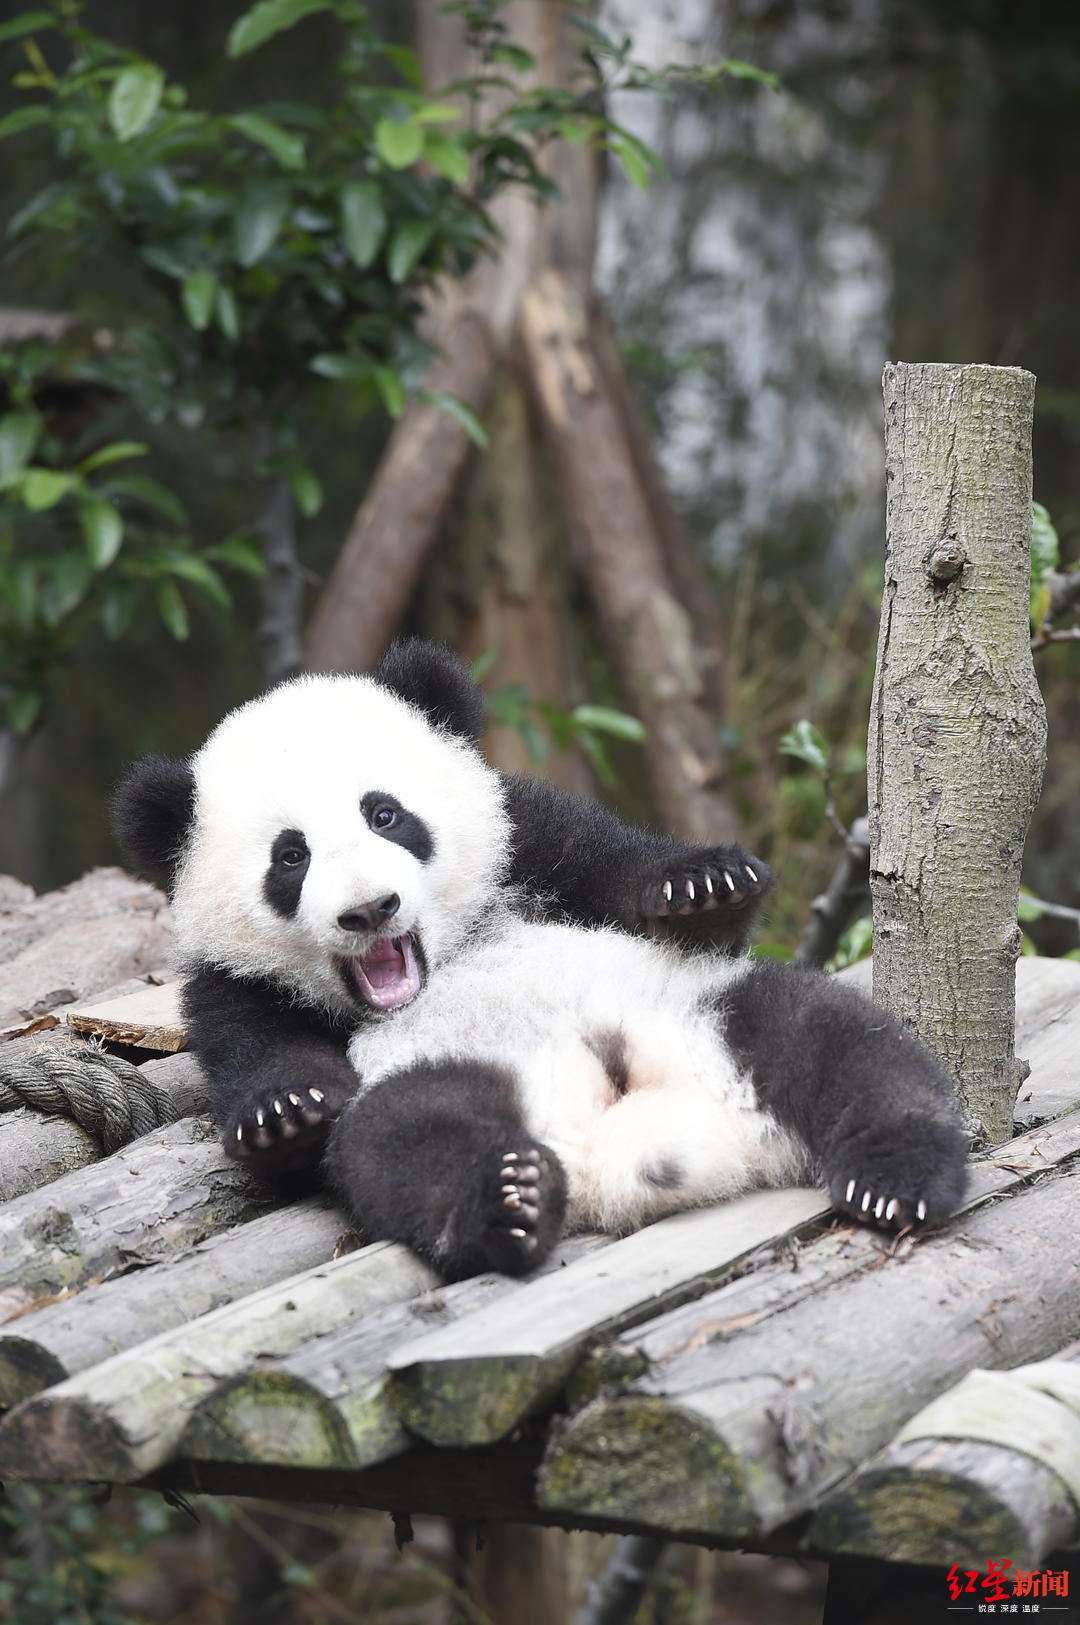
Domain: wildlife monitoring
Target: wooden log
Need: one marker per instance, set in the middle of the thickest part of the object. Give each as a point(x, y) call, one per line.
point(647, 631)
point(37, 1149)
point(937, 1496)
point(476, 1382)
point(149, 1019)
point(50, 1344)
point(156, 1196)
point(737, 1437)
point(377, 570)
point(332, 1403)
point(124, 1418)
point(957, 727)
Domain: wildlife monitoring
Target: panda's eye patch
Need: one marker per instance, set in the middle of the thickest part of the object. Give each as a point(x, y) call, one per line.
point(387, 817)
point(289, 849)
point(284, 879)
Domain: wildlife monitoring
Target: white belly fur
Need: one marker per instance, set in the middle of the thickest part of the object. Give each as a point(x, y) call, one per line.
point(531, 997)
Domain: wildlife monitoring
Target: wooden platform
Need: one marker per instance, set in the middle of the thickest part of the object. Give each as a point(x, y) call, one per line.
point(739, 1375)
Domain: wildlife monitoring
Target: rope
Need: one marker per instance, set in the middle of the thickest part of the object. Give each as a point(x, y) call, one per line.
point(108, 1097)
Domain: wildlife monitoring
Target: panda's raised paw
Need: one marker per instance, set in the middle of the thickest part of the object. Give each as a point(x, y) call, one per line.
point(282, 1127)
point(710, 880)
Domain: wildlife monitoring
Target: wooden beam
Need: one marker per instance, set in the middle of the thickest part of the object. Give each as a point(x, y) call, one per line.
point(474, 1383)
point(149, 1019)
point(121, 1420)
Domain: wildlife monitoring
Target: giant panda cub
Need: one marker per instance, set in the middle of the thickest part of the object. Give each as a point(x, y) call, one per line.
point(498, 1011)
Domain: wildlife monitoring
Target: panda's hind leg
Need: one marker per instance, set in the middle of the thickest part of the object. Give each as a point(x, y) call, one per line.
point(440, 1158)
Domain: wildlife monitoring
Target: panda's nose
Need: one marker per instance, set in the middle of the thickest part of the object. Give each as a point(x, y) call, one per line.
point(369, 916)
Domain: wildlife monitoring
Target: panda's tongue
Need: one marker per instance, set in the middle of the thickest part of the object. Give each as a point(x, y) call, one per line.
point(387, 975)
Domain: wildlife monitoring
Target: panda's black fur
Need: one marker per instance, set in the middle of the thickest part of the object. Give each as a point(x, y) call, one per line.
point(420, 1062)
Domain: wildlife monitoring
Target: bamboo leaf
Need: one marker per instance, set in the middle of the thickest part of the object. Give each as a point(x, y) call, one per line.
point(363, 221)
point(134, 99)
point(266, 19)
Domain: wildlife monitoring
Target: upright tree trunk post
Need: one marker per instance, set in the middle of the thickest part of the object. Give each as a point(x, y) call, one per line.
point(957, 725)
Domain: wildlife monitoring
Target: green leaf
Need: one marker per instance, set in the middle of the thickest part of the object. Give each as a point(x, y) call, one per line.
point(103, 530)
point(1029, 907)
point(606, 720)
point(43, 488)
point(341, 366)
point(26, 23)
point(114, 453)
point(134, 99)
point(447, 156)
point(306, 488)
point(735, 69)
point(287, 149)
point(406, 62)
point(227, 313)
point(23, 710)
point(363, 221)
point(1045, 556)
point(19, 434)
point(462, 415)
point(198, 294)
point(147, 491)
point(407, 246)
point(259, 219)
point(239, 553)
point(399, 144)
point(65, 586)
point(266, 19)
point(36, 205)
point(196, 570)
point(771, 950)
point(22, 594)
point(638, 171)
point(24, 117)
point(391, 389)
point(436, 113)
point(172, 609)
point(593, 747)
point(117, 611)
point(808, 744)
point(483, 663)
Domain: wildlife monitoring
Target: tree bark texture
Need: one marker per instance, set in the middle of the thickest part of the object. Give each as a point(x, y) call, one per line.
point(957, 728)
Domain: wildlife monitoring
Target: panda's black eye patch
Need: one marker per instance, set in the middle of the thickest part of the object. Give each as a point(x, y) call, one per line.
point(388, 818)
point(284, 879)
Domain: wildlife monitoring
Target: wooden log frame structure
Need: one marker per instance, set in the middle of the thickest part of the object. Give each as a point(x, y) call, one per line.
point(744, 1375)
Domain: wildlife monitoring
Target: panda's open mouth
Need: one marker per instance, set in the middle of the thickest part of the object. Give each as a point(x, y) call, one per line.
point(388, 975)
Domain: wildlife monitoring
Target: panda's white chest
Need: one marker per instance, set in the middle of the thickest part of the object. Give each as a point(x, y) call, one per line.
point(622, 1070)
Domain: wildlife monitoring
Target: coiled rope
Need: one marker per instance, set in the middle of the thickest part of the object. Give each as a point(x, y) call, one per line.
point(108, 1097)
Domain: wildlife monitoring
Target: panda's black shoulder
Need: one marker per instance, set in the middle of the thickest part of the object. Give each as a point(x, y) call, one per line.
point(433, 678)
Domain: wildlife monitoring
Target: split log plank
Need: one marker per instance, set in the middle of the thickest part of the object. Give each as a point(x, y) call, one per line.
point(943, 1500)
point(45, 1346)
point(474, 1383)
point(736, 1439)
point(124, 1418)
point(149, 1019)
point(332, 1403)
point(153, 1198)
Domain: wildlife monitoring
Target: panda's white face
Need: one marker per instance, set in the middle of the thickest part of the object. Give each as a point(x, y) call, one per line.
point(341, 844)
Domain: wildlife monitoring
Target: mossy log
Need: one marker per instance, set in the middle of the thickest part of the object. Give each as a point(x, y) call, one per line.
point(938, 1496)
point(331, 1404)
point(957, 735)
point(50, 1344)
point(474, 1383)
point(148, 1201)
point(124, 1418)
point(746, 1426)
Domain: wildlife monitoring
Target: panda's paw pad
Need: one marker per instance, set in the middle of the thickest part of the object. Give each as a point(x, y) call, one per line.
point(529, 1211)
point(271, 1122)
point(713, 879)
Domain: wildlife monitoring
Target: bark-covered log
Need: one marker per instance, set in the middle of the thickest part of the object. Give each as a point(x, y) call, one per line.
point(156, 1196)
point(377, 570)
point(938, 1495)
point(47, 1345)
point(476, 1382)
point(957, 727)
point(648, 633)
point(121, 1420)
point(36, 1149)
point(332, 1403)
point(747, 1427)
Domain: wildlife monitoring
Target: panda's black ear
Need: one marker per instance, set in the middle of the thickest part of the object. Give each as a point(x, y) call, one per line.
point(152, 807)
point(431, 676)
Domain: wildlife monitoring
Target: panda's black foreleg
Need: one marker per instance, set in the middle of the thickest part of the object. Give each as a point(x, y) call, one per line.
point(439, 1157)
point(581, 861)
point(874, 1108)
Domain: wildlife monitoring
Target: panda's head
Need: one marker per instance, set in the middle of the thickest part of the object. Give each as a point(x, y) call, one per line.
point(338, 835)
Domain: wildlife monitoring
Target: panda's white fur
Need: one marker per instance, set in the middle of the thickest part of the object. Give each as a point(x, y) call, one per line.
point(302, 756)
point(681, 1128)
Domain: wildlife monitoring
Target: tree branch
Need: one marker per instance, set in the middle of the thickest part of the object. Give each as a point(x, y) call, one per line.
point(847, 895)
